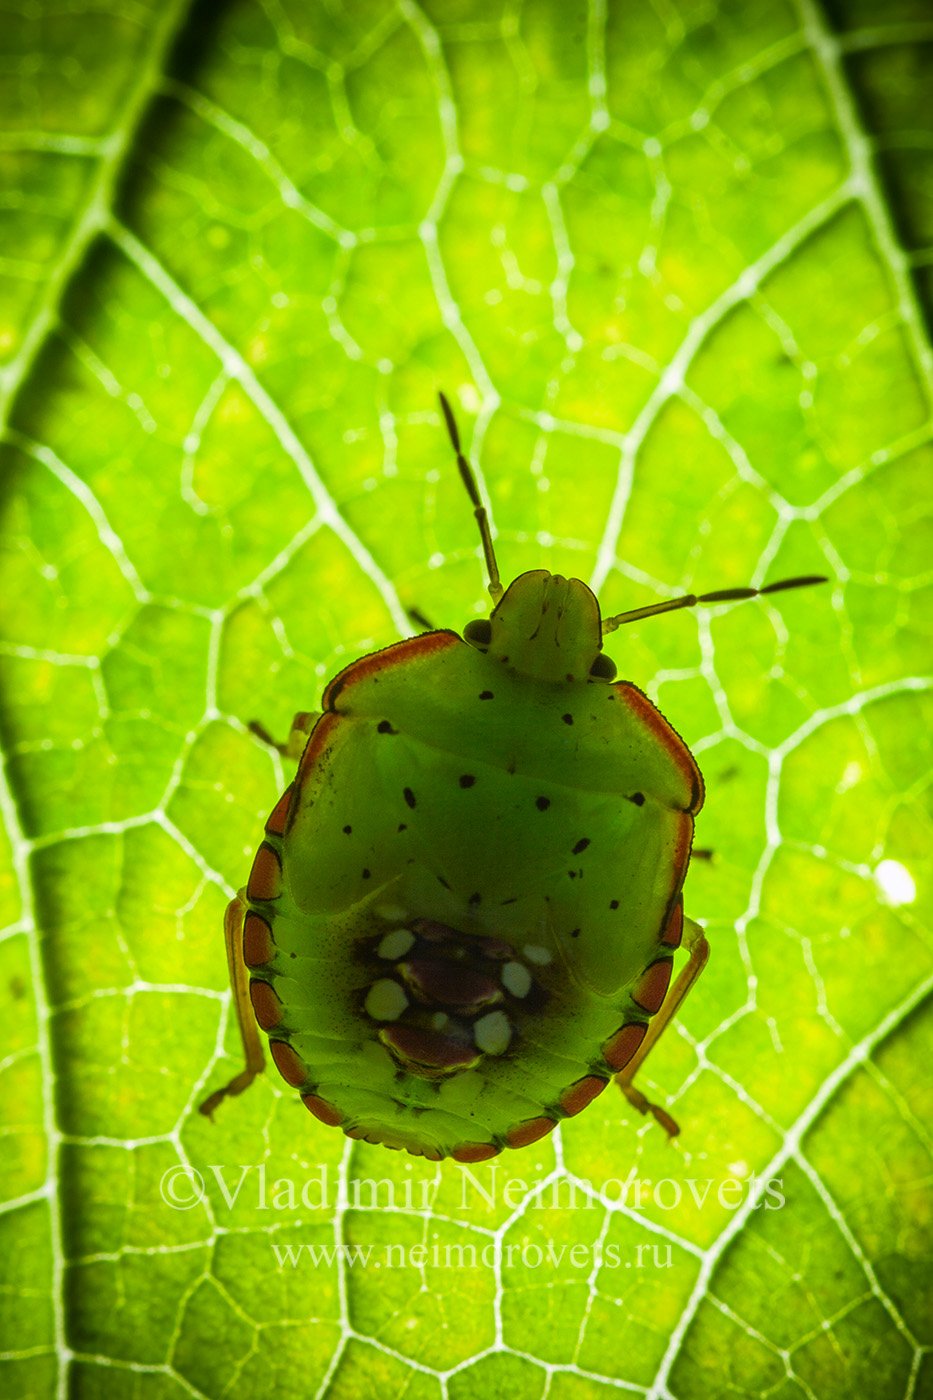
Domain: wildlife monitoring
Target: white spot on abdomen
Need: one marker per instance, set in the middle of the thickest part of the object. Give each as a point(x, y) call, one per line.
point(492, 1032)
point(516, 979)
point(385, 1000)
point(396, 943)
point(536, 954)
point(392, 913)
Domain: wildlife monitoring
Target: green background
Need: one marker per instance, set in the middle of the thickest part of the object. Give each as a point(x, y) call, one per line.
point(670, 261)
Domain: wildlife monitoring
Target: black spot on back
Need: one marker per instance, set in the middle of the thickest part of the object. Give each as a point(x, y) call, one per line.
point(638, 798)
point(347, 831)
point(409, 797)
point(613, 904)
point(568, 719)
point(467, 780)
point(475, 898)
point(403, 826)
point(384, 727)
point(486, 695)
point(581, 845)
point(365, 874)
point(574, 933)
point(542, 803)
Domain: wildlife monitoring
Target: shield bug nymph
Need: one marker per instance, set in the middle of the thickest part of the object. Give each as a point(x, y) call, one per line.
point(461, 922)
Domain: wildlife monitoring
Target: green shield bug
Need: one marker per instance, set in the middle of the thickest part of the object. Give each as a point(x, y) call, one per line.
point(461, 921)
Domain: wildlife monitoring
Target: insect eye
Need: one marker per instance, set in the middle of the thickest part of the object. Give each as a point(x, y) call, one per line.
point(604, 668)
point(479, 631)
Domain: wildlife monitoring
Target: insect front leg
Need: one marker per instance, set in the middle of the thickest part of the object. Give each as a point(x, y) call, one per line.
point(420, 621)
point(294, 745)
point(694, 940)
point(239, 982)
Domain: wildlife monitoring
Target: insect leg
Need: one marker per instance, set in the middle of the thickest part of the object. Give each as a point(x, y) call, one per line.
point(420, 621)
point(694, 940)
point(239, 981)
point(302, 725)
point(294, 745)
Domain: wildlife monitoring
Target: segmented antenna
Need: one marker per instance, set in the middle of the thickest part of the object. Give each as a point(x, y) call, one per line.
point(479, 510)
point(721, 595)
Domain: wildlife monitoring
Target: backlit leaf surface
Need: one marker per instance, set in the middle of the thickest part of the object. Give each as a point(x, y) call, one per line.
point(671, 264)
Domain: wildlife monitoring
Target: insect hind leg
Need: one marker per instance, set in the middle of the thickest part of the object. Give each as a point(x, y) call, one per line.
point(239, 982)
point(694, 940)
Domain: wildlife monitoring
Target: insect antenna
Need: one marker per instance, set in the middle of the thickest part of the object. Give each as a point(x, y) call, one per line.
point(479, 510)
point(722, 595)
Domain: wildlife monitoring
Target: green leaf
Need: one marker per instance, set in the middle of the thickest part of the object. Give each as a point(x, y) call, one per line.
point(671, 264)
